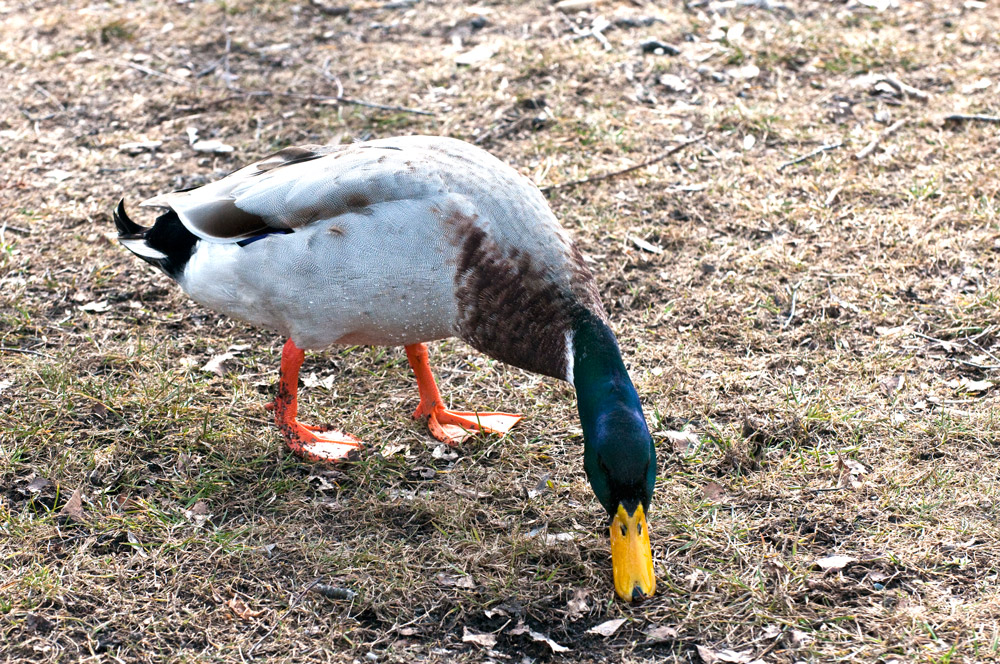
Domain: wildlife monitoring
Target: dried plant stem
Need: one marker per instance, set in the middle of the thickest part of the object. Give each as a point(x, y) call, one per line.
point(976, 117)
point(888, 131)
point(608, 176)
point(809, 155)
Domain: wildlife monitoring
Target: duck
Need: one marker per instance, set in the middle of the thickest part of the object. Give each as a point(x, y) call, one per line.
point(401, 242)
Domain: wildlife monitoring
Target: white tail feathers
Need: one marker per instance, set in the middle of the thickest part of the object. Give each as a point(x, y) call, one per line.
point(139, 247)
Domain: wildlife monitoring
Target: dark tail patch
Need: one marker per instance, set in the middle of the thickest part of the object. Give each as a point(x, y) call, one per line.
point(167, 244)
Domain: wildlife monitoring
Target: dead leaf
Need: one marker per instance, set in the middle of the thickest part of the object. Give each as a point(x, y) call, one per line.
point(469, 493)
point(683, 440)
point(577, 606)
point(893, 384)
point(136, 544)
point(198, 513)
point(855, 467)
point(550, 539)
point(744, 73)
point(96, 307)
point(37, 623)
point(542, 486)
point(137, 147)
point(538, 636)
point(661, 633)
point(772, 632)
point(212, 146)
point(395, 448)
point(713, 491)
point(484, 640)
point(242, 611)
point(694, 579)
point(835, 563)
point(570, 6)
point(966, 385)
point(879, 5)
point(444, 452)
point(214, 365)
point(36, 485)
point(709, 656)
point(977, 86)
point(456, 581)
point(74, 506)
point(475, 55)
point(645, 246)
point(312, 381)
point(58, 174)
point(607, 628)
point(673, 83)
point(891, 331)
point(199, 508)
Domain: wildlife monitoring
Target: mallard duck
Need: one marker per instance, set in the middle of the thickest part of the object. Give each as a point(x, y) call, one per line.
point(403, 241)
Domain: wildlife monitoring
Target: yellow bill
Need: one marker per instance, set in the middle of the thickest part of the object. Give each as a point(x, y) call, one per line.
point(631, 555)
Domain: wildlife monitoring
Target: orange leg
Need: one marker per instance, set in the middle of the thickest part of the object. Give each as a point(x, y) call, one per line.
point(449, 426)
point(311, 443)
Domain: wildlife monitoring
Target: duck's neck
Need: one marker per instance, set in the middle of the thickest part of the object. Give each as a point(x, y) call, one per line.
point(619, 457)
point(599, 375)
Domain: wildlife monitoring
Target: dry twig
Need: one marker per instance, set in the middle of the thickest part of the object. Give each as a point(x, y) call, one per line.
point(868, 149)
point(153, 72)
point(25, 351)
point(795, 298)
point(608, 176)
point(327, 99)
point(906, 90)
point(809, 155)
point(975, 117)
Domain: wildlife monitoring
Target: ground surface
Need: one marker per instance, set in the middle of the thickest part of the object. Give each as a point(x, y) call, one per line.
point(814, 344)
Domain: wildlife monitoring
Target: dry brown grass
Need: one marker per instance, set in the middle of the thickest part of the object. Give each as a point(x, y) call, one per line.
point(198, 531)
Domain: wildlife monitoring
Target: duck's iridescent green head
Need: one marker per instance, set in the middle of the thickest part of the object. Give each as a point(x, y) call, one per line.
point(619, 456)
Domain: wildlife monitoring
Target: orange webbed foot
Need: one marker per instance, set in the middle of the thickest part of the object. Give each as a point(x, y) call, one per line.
point(453, 427)
point(317, 445)
point(312, 443)
point(448, 426)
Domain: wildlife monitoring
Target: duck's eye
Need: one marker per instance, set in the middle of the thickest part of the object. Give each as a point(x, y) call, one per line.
point(624, 530)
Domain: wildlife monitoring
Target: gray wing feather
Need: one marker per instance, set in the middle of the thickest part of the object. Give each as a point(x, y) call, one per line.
point(298, 186)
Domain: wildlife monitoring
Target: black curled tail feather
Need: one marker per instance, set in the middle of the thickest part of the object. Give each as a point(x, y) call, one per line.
point(168, 244)
point(126, 227)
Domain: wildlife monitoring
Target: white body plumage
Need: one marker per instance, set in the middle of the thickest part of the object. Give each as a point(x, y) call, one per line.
point(389, 242)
